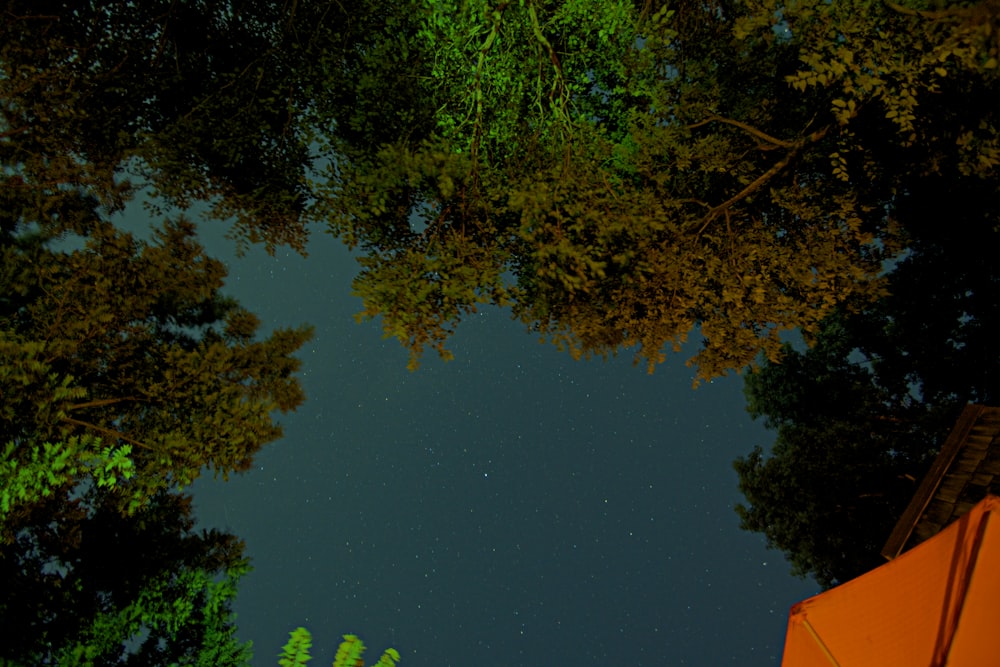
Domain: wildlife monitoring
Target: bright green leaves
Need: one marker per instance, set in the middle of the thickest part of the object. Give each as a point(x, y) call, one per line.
point(622, 175)
point(390, 658)
point(350, 653)
point(503, 73)
point(295, 653)
point(31, 473)
point(633, 194)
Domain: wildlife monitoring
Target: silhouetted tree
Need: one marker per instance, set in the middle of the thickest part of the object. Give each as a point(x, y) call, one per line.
point(860, 415)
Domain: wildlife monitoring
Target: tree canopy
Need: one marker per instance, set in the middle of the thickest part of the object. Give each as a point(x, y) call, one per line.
point(619, 174)
point(626, 174)
point(84, 585)
point(133, 343)
point(124, 373)
point(859, 416)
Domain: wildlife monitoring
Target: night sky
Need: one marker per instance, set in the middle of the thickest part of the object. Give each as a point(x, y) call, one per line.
point(510, 508)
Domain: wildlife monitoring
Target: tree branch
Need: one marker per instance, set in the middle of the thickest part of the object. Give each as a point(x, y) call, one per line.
point(101, 402)
point(931, 14)
point(747, 191)
point(106, 431)
point(10, 133)
point(763, 178)
point(749, 129)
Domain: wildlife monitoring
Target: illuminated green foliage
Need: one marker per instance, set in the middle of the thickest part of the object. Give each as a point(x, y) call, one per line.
point(124, 373)
point(350, 653)
point(295, 653)
point(50, 468)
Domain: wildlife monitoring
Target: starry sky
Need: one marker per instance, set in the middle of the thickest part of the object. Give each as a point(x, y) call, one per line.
point(511, 507)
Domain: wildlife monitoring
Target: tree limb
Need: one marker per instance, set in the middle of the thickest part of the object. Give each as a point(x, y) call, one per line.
point(10, 133)
point(763, 178)
point(106, 431)
point(747, 191)
point(101, 402)
point(931, 14)
point(749, 129)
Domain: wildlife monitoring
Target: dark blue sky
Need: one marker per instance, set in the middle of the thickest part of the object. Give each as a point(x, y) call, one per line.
point(512, 507)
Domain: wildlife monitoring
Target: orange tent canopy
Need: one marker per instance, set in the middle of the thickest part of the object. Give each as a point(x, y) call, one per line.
point(936, 604)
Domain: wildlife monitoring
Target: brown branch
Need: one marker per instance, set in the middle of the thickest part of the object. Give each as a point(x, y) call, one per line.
point(101, 402)
point(106, 431)
point(699, 202)
point(746, 192)
point(34, 17)
point(762, 179)
point(162, 41)
point(749, 129)
point(10, 133)
point(931, 14)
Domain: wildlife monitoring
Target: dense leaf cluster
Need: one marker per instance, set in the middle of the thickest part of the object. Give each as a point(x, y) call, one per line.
point(124, 371)
point(623, 176)
point(620, 174)
point(350, 653)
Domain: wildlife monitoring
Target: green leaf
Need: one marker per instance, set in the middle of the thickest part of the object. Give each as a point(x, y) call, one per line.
point(295, 653)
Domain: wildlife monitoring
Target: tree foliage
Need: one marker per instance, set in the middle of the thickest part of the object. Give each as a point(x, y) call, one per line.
point(85, 585)
point(860, 415)
point(132, 342)
point(844, 463)
point(620, 174)
point(623, 175)
point(210, 114)
point(124, 373)
point(350, 653)
point(50, 468)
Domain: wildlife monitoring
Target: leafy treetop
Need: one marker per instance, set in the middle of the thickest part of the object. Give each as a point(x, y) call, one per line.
point(131, 342)
point(625, 175)
point(620, 174)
